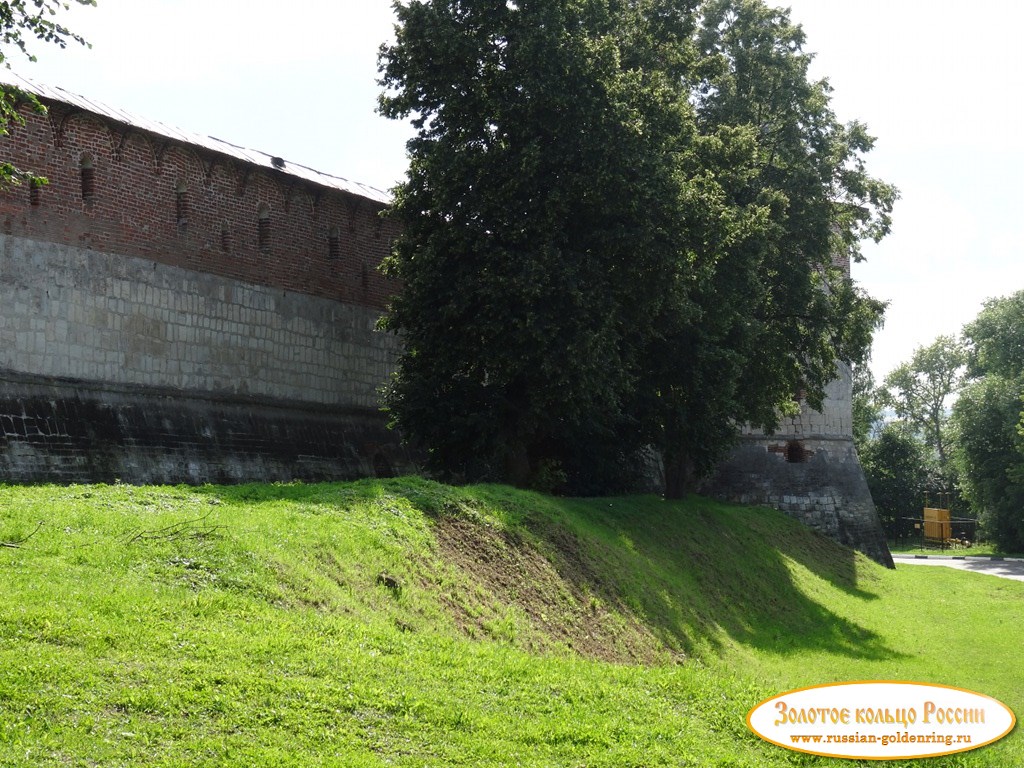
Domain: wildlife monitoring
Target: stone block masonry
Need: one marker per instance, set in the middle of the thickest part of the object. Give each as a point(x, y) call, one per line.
point(81, 314)
point(116, 368)
point(809, 469)
point(826, 490)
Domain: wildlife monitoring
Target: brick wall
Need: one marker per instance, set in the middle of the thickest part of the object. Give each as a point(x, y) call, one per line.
point(184, 205)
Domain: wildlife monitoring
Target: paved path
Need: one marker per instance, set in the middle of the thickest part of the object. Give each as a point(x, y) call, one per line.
point(1007, 569)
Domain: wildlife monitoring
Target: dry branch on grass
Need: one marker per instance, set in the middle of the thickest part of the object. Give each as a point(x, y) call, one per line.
point(16, 544)
point(186, 529)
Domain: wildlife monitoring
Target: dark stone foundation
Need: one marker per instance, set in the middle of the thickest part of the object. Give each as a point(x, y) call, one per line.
point(66, 431)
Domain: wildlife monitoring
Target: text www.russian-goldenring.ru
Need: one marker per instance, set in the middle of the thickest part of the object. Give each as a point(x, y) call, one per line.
point(885, 740)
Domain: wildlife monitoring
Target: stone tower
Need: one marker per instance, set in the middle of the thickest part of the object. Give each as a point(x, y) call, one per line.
point(809, 468)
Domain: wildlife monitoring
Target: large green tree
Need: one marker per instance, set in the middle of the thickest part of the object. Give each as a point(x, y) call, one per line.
point(538, 214)
point(620, 225)
point(792, 200)
point(20, 22)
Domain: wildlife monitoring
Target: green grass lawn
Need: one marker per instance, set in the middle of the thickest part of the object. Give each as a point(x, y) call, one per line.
point(407, 623)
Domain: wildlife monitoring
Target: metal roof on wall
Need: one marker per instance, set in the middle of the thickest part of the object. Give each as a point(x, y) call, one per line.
point(251, 156)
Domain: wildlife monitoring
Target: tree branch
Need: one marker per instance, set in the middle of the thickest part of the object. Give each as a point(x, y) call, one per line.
point(16, 544)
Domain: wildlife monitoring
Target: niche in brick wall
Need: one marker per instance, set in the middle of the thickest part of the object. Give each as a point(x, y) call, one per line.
point(87, 172)
point(263, 227)
point(382, 467)
point(181, 206)
point(334, 244)
point(227, 242)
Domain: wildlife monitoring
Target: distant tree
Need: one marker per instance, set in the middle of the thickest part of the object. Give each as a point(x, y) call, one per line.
point(987, 421)
point(897, 467)
point(867, 406)
point(21, 21)
point(995, 339)
point(921, 390)
point(990, 457)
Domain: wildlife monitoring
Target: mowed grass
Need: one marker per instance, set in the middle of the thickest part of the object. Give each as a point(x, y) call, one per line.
point(408, 623)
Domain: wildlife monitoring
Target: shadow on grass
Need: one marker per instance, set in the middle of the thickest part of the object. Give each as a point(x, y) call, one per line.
point(697, 570)
point(693, 572)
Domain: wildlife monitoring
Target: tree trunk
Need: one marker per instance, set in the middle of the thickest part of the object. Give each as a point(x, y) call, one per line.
point(680, 476)
point(517, 465)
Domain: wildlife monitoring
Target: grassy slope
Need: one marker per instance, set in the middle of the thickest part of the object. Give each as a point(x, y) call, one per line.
point(254, 626)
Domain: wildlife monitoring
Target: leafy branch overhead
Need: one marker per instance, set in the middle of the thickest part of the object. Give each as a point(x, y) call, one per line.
point(21, 21)
point(622, 228)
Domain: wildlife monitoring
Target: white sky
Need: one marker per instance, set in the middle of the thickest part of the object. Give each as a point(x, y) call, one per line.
point(938, 83)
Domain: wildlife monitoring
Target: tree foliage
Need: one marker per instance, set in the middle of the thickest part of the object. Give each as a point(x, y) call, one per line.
point(995, 339)
point(867, 406)
point(921, 390)
point(988, 423)
point(20, 22)
point(621, 224)
point(785, 196)
point(990, 459)
point(896, 466)
point(537, 211)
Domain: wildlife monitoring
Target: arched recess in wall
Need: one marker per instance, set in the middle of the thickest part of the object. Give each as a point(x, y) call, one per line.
point(87, 176)
point(334, 244)
point(381, 466)
point(181, 206)
point(263, 227)
point(35, 193)
point(227, 240)
point(300, 201)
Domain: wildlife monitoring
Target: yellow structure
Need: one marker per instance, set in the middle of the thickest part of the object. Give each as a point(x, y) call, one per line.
point(937, 526)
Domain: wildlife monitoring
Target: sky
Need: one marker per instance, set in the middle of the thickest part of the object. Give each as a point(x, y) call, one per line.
point(938, 84)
